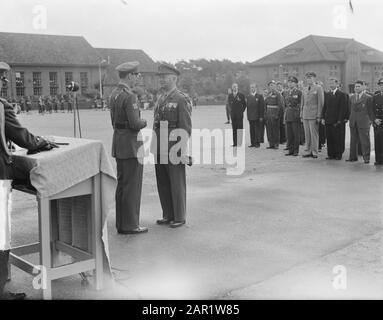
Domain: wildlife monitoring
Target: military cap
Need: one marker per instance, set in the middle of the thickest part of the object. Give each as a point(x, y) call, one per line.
point(359, 82)
point(165, 68)
point(380, 81)
point(4, 66)
point(270, 82)
point(292, 79)
point(310, 74)
point(129, 67)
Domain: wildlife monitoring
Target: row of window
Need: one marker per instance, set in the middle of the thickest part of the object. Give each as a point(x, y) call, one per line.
point(37, 83)
point(284, 72)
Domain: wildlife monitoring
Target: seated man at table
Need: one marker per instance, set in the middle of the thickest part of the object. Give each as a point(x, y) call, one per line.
point(11, 130)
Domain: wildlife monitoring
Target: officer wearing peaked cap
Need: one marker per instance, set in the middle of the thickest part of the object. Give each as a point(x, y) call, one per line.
point(172, 125)
point(126, 147)
point(377, 106)
point(12, 169)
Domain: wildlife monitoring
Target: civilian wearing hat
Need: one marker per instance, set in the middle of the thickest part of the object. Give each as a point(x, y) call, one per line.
point(127, 123)
point(172, 117)
point(311, 113)
point(274, 107)
point(334, 112)
point(293, 100)
point(361, 117)
point(377, 105)
point(237, 102)
point(255, 115)
point(10, 169)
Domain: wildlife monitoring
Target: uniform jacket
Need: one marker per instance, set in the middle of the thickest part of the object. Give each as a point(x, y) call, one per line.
point(361, 113)
point(255, 107)
point(11, 130)
point(377, 106)
point(173, 110)
point(312, 104)
point(237, 104)
point(335, 107)
point(274, 98)
point(293, 101)
point(124, 111)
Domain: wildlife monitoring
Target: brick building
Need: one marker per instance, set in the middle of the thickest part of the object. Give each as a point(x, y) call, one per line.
point(45, 64)
point(113, 57)
point(346, 59)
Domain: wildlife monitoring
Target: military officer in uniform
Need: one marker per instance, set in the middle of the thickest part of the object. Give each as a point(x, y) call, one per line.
point(377, 104)
point(282, 129)
point(127, 123)
point(172, 117)
point(293, 99)
point(361, 117)
point(237, 102)
point(311, 113)
point(274, 110)
point(11, 169)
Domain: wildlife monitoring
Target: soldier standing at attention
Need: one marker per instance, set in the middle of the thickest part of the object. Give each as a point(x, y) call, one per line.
point(282, 129)
point(172, 112)
point(311, 113)
point(378, 123)
point(274, 107)
point(237, 102)
point(293, 99)
point(126, 121)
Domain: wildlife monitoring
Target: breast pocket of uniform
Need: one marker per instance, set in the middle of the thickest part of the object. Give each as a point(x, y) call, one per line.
point(172, 113)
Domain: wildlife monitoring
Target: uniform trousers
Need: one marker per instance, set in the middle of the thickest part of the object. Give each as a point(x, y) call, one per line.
point(363, 134)
point(378, 136)
point(171, 185)
point(293, 129)
point(128, 193)
point(228, 112)
point(311, 136)
point(273, 131)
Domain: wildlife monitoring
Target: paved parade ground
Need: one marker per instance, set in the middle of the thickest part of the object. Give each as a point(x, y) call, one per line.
point(276, 231)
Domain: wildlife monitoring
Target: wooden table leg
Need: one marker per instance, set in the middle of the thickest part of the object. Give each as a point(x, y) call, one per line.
point(45, 243)
point(97, 232)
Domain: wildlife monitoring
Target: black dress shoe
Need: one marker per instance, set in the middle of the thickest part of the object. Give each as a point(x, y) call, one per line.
point(134, 231)
point(269, 147)
point(286, 149)
point(289, 154)
point(330, 158)
point(338, 158)
point(233, 145)
point(351, 160)
point(307, 155)
point(257, 146)
point(13, 296)
point(314, 156)
point(227, 122)
point(366, 161)
point(251, 146)
point(163, 221)
point(176, 224)
point(295, 154)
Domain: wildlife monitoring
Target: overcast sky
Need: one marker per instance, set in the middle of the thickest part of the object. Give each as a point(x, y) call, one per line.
point(171, 30)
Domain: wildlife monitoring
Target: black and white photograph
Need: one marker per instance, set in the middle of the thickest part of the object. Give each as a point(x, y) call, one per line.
point(203, 152)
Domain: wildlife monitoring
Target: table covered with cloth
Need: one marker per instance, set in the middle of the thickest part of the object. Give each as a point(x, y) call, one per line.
point(56, 170)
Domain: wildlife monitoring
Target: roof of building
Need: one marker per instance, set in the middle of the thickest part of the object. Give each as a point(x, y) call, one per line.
point(44, 50)
point(115, 57)
point(320, 48)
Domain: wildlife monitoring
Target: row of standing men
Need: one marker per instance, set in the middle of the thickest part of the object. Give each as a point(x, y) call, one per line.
point(311, 117)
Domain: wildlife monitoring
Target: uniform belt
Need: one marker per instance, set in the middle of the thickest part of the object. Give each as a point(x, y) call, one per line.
point(121, 125)
point(273, 107)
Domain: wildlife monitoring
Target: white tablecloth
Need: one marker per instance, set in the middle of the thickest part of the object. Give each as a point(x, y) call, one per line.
point(54, 171)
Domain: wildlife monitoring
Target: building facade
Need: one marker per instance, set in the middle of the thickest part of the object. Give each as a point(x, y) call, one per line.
point(43, 65)
point(345, 59)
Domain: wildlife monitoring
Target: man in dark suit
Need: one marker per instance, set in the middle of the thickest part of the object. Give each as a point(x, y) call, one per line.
point(127, 123)
point(377, 104)
point(255, 115)
point(172, 126)
point(334, 112)
point(360, 121)
point(237, 102)
point(11, 169)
